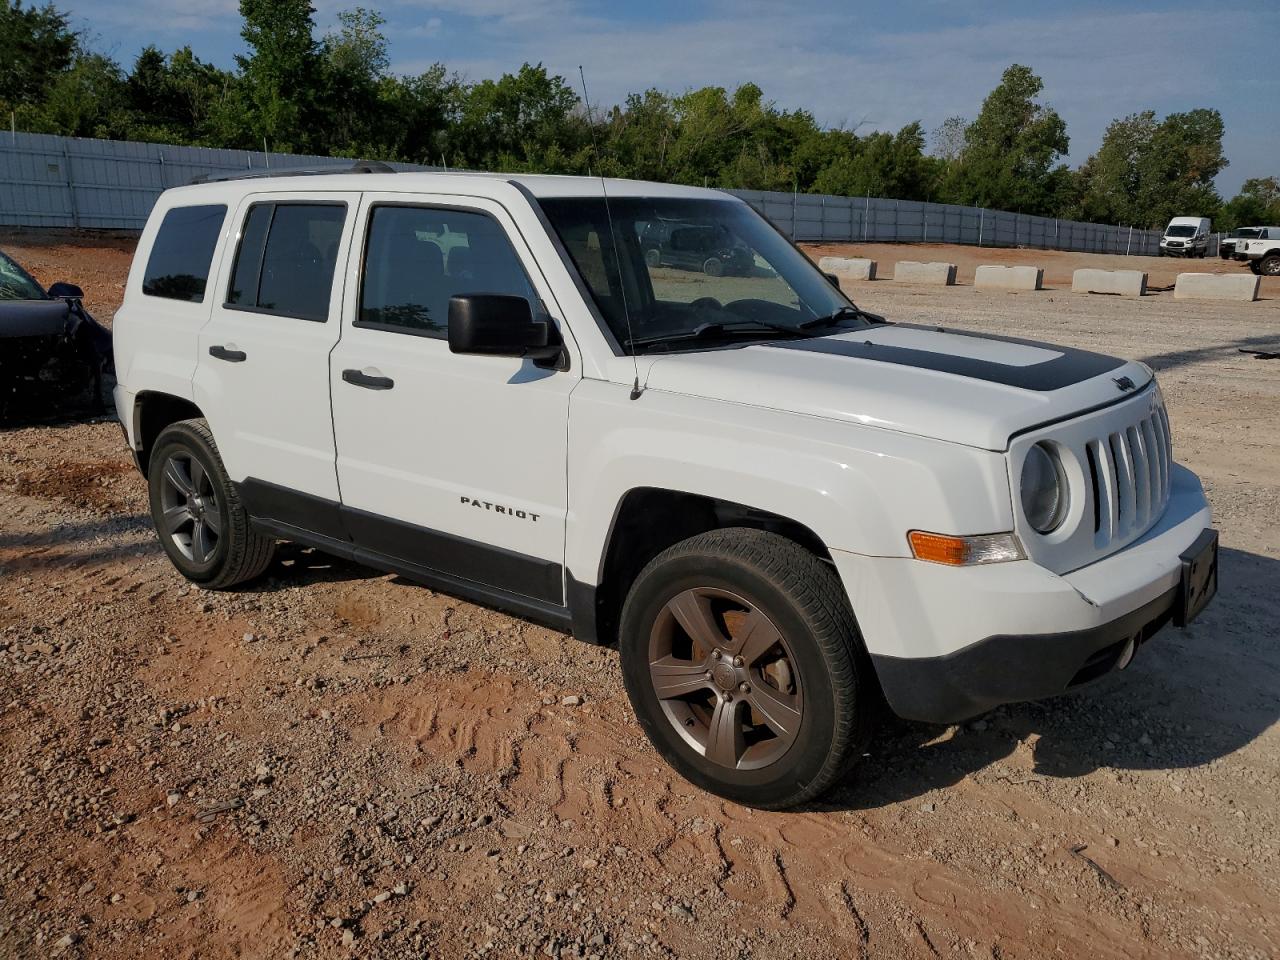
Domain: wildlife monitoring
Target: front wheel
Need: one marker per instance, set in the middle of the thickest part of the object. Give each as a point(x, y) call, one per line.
point(713, 267)
point(743, 663)
point(1270, 266)
point(197, 514)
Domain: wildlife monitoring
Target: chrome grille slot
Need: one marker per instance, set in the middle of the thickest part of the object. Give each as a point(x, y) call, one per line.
point(1122, 470)
point(1129, 477)
point(1141, 476)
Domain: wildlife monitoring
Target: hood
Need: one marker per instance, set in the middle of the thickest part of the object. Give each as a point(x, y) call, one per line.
point(33, 318)
point(949, 385)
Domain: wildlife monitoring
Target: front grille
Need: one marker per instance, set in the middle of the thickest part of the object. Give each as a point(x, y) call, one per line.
point(1129, 472)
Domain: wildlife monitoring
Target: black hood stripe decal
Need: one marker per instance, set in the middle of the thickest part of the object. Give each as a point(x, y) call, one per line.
point(1068, 368)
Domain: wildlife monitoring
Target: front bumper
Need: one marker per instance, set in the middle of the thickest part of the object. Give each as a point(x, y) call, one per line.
point(948, 643)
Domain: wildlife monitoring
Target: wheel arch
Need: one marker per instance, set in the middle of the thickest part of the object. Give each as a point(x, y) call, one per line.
point(154, 410)
point(648, 520)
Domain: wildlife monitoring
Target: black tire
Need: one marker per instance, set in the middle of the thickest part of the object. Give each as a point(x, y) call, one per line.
point(653, 257)
point(802, 598)
point(713, 267)
point(1255, 267)
point(1270, 265)
point(239, 553)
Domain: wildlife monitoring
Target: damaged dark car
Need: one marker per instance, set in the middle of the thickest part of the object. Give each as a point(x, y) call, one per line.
point(54, 356)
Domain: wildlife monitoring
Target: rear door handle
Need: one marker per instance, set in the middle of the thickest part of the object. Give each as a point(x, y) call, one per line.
point(229, 354)
point(368, 381)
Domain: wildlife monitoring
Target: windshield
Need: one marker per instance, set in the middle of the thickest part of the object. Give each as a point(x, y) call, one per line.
point(1246, 233)
point(16, 283)
point(692, 272)
point(1180, 230)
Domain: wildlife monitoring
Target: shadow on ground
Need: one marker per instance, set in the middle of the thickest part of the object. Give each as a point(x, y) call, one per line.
point(1189, 698)
point(1249, 346)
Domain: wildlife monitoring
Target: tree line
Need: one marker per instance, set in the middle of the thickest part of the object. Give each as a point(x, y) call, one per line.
point(335, 94)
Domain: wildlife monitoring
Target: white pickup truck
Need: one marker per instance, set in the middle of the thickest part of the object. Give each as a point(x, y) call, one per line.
point(783, 510)
point(1261, 251)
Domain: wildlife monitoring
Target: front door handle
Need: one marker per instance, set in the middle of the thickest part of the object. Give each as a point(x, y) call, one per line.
point(369, 382)
point(230, 354)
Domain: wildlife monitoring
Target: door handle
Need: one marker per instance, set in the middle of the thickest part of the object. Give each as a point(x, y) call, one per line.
point(228, 354)
point(359, 379)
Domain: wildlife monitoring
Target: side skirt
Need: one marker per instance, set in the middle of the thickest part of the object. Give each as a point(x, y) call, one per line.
point(541, 611)
point(526, 586)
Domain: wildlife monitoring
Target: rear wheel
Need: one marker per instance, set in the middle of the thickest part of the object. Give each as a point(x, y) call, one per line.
point(713, 267)
point(653, 257)
point(199, 518)
point(743, 663)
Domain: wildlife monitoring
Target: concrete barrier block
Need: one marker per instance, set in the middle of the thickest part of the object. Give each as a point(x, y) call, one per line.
point(996, 277)
point(1125, 283)
point(913, 271)
point(1216, 286)
point(848, 268)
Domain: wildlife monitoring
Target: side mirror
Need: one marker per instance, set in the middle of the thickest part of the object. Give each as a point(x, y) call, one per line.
point(66, 291)
point(499, 326)
point(833, 280)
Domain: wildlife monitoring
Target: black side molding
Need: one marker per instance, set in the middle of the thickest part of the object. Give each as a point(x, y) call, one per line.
point(494, 575)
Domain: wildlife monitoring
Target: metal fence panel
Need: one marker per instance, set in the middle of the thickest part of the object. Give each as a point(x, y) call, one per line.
point(51, 181)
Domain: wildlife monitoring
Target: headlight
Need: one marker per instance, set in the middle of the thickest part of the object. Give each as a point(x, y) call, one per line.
point(1044, 489)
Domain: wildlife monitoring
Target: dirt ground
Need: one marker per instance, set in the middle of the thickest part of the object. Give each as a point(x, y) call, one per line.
point(334, 762)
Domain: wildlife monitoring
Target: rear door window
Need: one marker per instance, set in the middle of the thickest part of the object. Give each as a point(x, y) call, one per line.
point(286, 260)
point(178, 267)
point(416, 258)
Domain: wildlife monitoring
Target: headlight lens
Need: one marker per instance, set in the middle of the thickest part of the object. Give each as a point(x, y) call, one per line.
point(1044, 489)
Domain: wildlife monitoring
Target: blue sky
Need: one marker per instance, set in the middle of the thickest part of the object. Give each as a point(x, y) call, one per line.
point(871, 65)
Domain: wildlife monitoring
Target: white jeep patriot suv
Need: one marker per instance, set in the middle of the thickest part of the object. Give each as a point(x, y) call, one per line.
point(781, 508)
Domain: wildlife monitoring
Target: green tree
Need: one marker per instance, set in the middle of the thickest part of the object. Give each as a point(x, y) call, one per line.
point(36, 46)
point(420, 113)
point(88, 100)
point(1147, 170)
point(1010, 158)
point(882, 165)
point(521, 121)
point(176, 98)
point(354, 63)
point(278, 77)
point(1257, 204)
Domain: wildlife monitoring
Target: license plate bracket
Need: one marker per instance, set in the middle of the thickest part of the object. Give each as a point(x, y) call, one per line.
point(1199, 577)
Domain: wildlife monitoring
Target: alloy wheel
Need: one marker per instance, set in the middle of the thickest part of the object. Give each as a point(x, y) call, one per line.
point(192, 517)
point(725, 678)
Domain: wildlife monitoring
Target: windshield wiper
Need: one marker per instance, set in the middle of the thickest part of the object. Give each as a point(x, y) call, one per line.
point(714, 328)
point(839, 316)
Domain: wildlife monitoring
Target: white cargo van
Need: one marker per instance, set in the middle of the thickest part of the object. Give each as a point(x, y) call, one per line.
point(1185, 237)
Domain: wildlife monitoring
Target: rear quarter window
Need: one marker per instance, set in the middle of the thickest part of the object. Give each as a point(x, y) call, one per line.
point(178, 267)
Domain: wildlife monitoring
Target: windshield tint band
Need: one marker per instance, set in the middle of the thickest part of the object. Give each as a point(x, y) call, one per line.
point(1068, 368)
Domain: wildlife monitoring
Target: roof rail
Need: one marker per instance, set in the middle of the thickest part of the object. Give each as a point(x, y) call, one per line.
point(360, 166)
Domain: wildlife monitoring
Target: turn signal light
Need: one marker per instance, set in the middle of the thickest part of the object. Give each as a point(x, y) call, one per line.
point(964, 551)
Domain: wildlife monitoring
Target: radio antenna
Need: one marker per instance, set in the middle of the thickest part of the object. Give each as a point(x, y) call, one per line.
point(613, 237)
